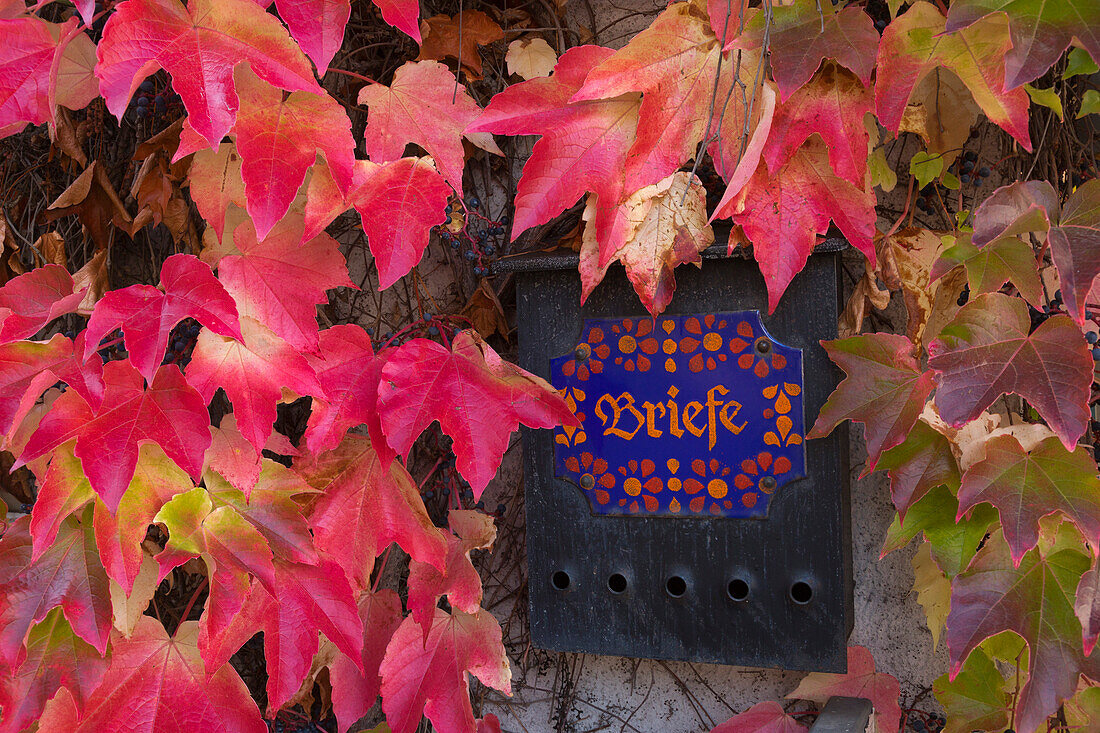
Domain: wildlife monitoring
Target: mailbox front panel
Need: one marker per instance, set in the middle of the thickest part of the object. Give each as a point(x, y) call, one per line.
point(649, 537)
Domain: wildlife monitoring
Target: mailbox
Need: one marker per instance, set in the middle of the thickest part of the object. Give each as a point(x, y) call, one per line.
point(687, 517)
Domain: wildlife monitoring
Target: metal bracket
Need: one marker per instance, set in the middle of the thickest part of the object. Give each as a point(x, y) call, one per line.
point(844, 715)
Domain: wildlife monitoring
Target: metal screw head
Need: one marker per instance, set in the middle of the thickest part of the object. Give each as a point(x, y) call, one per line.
point(582, 352)
point(767, 484)
point(763, 345)
point(588, 481)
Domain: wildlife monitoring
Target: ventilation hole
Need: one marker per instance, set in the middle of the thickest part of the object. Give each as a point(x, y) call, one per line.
point(738, 589)
point(676, 586)
point(616, 583)
point(560, 580)
point(802, 593)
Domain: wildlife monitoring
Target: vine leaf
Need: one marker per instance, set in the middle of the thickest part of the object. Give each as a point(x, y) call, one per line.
point(231, 548)
point(215, 181)
point(429, 675)
point(418, 108)
point(272, 508)
point(884, 388)
point(157, 683)
point(29, 368)
point(355, 687)
point(656, 229)
point(915, 45)
point(279, 281)
point(30, 301)
point(783, 211)
point(278, 140)
point(68, 574)
point(477, 397)
point(582, 147)
point(952, 544)
point(1041, 31)
point(986, 351)
point(317, 26)
point(1033, 599)
point(763, 717)
point(349, 372)
point(933, 589)
point(119, 534)
point(1087, 608)
point(833, 104)
point(34, 50)
point(455, 578)
point(366, 505)
point(458, 37)
point(673, 63)
point(147, 315)
point(404, 15)
point(1073, 231)
point(861, 680)
point(168, 413)
point(410, 192)
point(921, 462)
point(235, 459)
point(198, 45)
point(253, 373)
point(56, 657)
point(975, 699)
point(804, 34)
point(307, 599)
point(989, 268)
point(1028, 485)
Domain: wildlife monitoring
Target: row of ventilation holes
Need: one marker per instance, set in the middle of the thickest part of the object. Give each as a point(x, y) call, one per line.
point(738, 589)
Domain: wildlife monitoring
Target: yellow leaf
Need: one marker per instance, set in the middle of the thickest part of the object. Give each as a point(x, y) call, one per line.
point(530, 58)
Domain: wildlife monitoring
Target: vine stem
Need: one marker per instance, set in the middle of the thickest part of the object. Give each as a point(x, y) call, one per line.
point(381, 569)
point(191, 603)
point(354, 75)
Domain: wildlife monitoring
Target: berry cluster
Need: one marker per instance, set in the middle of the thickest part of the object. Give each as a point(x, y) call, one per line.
point(111, 347)
point(181, 342)
point(920, 722)
point(966, 168)
point(476, 235)
point(1039, 317)
point(148, 102)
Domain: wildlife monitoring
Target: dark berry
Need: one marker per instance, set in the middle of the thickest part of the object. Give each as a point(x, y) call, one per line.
point(968, 166)
point(490, 250)
point(471, 255)
point(1091, 337)
point(1096, 353)
point(964, 178)
point(141, 102)
point(433, 331)
point(984, 171)
point(473, 202)
point(146, 86)
point(964, 295)
point(159, 105)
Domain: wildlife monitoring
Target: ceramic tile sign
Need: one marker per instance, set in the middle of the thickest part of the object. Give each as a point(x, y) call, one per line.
point(681, 416)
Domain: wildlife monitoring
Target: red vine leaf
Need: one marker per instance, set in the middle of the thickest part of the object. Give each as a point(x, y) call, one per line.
point(30, 301)
point(803, 35)
point(278, 140)
point(56, 657)
point(29, 368)
point(355, 687)
point(429, 676)
point(235, 459)
point(159, 684)
point(583, 144)
point(147, 315)
point(922, 462)
point(1041, 31)
point(29, 70)
point(763, 717)
point(68, 574)
point(367, 504)
point(215, 182)
point(989, 268)
point(317, 26)
point(1028, 485)
point(198, 45)
point(418, 108)
point(986, 351)
point(1073, 231)
point(279, 281)
point(253, 373)
point(861, 680)
point(884, 388)
point(404, 15)
point(410, 192)
point(477, 397)
point(168, 413)
point(832, 104)
point(783, 212)
point(1034, 599)
point(349, 372)
point(456, 578)
point(916, 44)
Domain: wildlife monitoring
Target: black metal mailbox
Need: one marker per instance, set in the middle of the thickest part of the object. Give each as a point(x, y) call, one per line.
point(688, 518)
